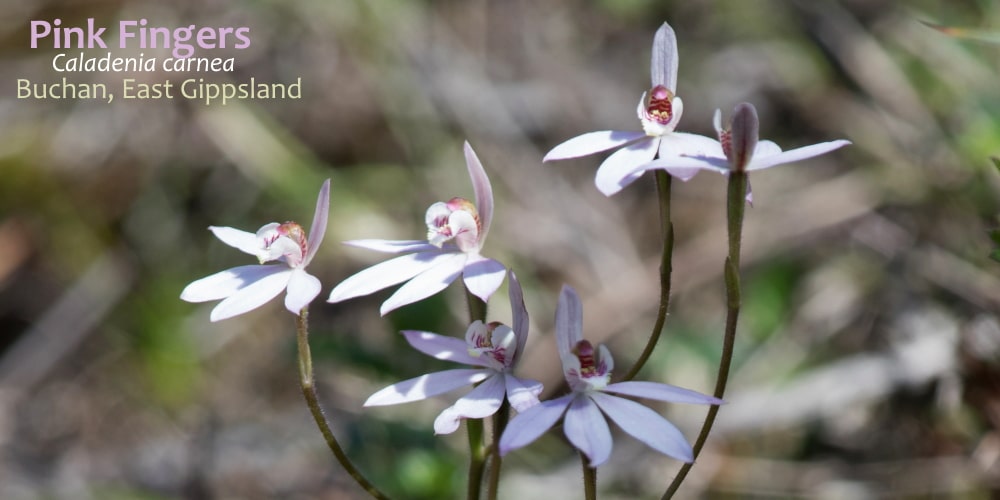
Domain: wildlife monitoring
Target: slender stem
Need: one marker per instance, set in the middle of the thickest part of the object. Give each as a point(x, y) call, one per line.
point(496, 461)
point(312, 400)
point(477, 448)
point(589, 478)
point(667, 231)
point(735, 208)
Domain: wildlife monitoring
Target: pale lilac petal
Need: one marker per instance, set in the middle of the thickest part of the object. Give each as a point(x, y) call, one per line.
point(569, 322)
point(645, 425)
point(483, 276)
point(302, 289)
point(427, 283)
point(253, 295)
point(318, 228)
point(586, 428)
point(426, 386)
point(442, 347)
point(386, 274)
point(241, 240)
point(521, 392)
point(393, 246)
point(463, 226)
point(482, 189)
point(529, 425)
point(796, 154)
point(663, 63)
point(662, 392)
point(481, 402)
point(225, 283)
point(520, 314)
point(766, 148)
point(618, 170)
point(590, 143)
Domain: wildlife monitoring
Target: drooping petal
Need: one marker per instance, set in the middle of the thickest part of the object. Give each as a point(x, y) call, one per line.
point(745, 131)
point(225, 283)
point(302, 289)
point(662, 392)
point(393, 246)
point(521, 392)
point(586, 428)
point(427, 283)
point(663, 62)
point(645, 425)
point(481, 402)
point(318, 228)
point(519, 312)
point(241, 240)
point(482, 276)
point(618, 170)
point(386, 274)
point(590, 143)
point(253, 295)
point(796, 154)
point(482, 189)
point(426, 386)
point(569, 322)
point(442, 347)
point(530, 424)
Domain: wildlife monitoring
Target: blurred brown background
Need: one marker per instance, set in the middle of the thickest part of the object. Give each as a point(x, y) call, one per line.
point(867, 362)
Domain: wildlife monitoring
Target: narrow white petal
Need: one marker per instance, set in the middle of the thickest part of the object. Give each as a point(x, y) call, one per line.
point(253, 295)
point(618, 170)
point(386, 274)
point(663, 62)
point(795, 154)
point(483, 276)
point(569, 322)
point(482, 189)
point(522, 392)
point(393, 246)
point(645, 425)
point(662, 392)
point(225, 283)
point(519, 312)
point(240, 240)
point(590, 143)
point(529, 425)
point(481, 402)
point(427, 283)
point(426, 386)
point(302, 289)
point(441, 347)
point(318, 228)
point(586, 428)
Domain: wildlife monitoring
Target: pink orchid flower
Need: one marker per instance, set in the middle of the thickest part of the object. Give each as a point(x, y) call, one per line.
point(246, 288)
point(456, 232)
point(594, 399)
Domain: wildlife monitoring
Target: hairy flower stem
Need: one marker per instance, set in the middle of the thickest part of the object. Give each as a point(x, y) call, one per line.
point(306, 380)
point(667, 231)
point(500, 419)
point(477, 448)
point(735, 203)
point(589, 478)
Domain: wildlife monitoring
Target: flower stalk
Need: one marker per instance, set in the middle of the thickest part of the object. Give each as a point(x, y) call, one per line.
point(477, 447)
point(589, 478)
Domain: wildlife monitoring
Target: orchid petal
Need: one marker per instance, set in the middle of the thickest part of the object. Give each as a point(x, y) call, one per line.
point(393, 246)
point(796, 154)
point(519, 312)
point(225, 283)
point(302, 289)
point(766, 148)
point(442, 347)
point(529, 425)
point(482, 189)
point(745, 130)
point(243, 241)
point(587, 429)
point(387, 273)
point(522, 393)
point(427, 283)
point(481, 402)
point(253, 295)
point(590, 143)
point(569, 323)
point(662, 392)
point(663, 62)
point(645, 425)
point(318, 228)
point(483, 276)
point(426, 386)
point(463, 226)
point(618, 170)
